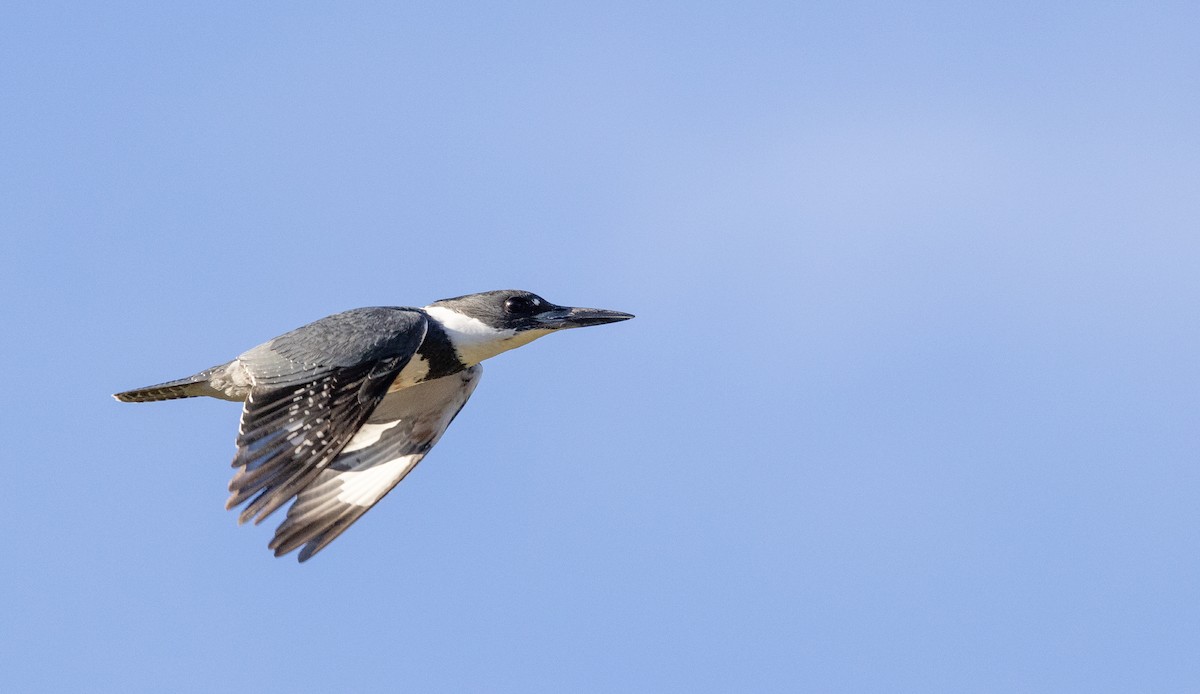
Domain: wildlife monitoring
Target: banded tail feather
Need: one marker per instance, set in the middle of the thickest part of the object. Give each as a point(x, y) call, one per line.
point(193, 386)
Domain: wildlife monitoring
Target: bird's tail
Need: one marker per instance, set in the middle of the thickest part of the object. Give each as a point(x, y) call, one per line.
point(193, 386)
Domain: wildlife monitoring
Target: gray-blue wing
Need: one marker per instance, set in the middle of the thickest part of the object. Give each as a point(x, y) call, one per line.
point(312, 390)
point(398, 434)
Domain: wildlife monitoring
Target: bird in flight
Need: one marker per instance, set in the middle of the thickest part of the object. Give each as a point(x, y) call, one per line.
point(337, 412)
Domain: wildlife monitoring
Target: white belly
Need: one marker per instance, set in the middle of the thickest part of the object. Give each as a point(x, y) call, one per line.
point(413, 373)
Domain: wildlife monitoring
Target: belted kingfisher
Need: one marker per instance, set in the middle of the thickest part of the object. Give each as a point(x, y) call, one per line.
point(337, 412)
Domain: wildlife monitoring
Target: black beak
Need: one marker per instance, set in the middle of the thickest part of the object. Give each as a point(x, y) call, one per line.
point(563, 317)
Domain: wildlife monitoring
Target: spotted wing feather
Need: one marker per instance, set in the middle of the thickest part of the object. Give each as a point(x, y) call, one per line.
point(312, 390)
point(398, 434)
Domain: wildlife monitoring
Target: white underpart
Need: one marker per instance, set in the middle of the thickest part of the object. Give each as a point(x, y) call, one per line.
point(413, 372)
point(475, 340)
point(365, 487)
point(367, 435)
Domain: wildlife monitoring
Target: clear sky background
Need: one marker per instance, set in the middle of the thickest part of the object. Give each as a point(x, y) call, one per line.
point(911, 404)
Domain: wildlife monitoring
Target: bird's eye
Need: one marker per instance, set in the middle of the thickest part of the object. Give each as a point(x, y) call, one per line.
point(519, 304)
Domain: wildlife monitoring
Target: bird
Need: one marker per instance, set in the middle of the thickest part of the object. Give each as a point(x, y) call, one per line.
point(337, 412)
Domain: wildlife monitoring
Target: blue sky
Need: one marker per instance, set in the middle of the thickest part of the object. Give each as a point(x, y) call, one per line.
point(910, 404)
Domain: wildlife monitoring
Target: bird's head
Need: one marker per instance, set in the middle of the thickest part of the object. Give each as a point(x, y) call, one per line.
point(486, 324)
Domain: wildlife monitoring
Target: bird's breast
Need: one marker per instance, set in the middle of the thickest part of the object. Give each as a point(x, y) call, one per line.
point(414, 372)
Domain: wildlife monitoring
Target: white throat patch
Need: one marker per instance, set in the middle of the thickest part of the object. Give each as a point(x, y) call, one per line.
point(475, 340)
